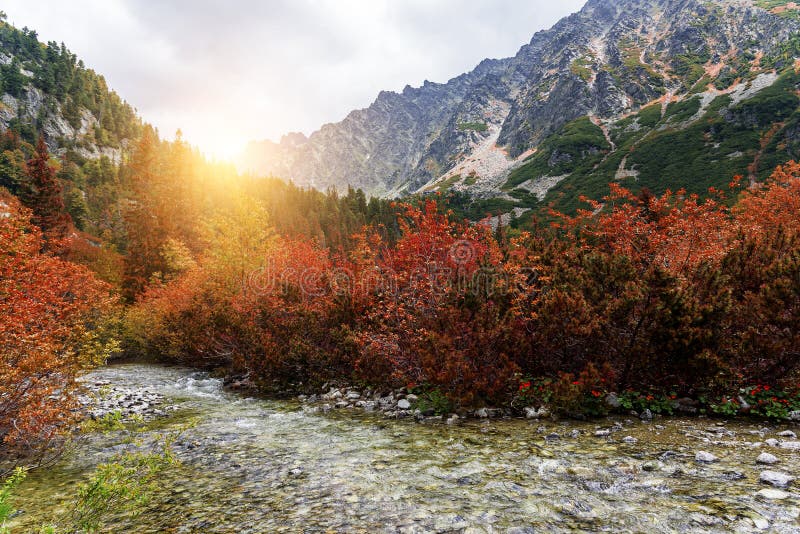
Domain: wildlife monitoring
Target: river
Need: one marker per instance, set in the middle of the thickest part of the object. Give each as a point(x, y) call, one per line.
point(251, 465)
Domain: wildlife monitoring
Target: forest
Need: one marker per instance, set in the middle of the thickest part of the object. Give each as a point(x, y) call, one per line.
point(657, 299)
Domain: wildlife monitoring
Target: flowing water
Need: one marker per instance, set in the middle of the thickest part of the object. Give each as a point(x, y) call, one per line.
point(251, 465)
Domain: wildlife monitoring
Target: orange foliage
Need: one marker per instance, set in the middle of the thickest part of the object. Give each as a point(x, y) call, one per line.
point(45, 304)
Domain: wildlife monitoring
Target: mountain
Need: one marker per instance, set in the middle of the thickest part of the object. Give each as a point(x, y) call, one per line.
point(662, 93)
point(45, 89)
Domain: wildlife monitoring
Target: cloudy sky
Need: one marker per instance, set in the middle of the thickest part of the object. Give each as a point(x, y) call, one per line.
point(233, 71)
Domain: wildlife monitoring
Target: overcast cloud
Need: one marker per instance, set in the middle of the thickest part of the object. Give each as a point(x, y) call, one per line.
point(229, 72)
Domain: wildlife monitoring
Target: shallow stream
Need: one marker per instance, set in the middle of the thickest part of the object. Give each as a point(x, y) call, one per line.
point(252, 465)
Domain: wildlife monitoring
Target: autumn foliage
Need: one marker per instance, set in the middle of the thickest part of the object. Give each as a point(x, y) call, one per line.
point(50, 319)
point(668, 293)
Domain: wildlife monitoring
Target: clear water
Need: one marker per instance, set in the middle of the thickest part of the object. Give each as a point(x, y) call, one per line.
point(253, 465)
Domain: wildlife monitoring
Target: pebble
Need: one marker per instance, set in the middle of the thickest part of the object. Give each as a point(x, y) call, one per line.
point(788, 434)
point(403, 404)
point(647, 415)
point(791, 445)
point(767, 458)
point(772, 442)
point(773, 494)
point(776, 478)
point(630, 439)
point(602, 433)
point(705, 457)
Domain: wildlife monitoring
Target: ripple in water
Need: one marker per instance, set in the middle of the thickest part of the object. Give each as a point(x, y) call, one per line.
point(267, 466)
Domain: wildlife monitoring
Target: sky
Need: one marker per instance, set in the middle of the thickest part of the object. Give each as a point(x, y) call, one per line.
point(229, 72)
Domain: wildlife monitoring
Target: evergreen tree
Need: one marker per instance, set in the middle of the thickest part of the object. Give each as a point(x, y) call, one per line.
point(43, 195)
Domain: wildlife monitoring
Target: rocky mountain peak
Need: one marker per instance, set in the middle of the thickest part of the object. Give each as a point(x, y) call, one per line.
point(611, 59)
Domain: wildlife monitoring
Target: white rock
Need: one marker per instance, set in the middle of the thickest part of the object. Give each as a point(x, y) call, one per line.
point(353, 395)
point(533, 413)
point(791, 445)
point(403, 404)
point(483, 413)
point(705, 457)
point(767, 458)
point(788, 434)
point(629, 439)
point(794, 416)
point(776, 478)
point(772, 442)
point(760, 523)
point(773, 494)
point(602, 433)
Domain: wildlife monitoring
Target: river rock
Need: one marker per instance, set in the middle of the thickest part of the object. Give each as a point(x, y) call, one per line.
point(794, 416)
point(767, 458)
point(705, 457)
point(533, 413)
point(603, 433)
point(776, 478)
point(790, 445)
point(630, 439)
point(788, 434)
point(773, 494)
point(411, 397)
point(353, 395)
point(483, 413)
point(646, 415)
point(772, 442)
point(403, 404)
point(453, 419)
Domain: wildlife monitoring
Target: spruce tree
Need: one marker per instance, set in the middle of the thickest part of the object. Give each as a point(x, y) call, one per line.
point(42, 194)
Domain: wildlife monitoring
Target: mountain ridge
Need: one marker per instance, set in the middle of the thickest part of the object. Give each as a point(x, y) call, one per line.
point(607, 62)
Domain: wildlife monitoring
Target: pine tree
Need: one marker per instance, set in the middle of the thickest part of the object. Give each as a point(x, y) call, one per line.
point(43, 195)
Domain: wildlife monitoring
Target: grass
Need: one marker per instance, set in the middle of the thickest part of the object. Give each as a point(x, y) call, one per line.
point(473, 126)
point(578, 145)
point(707, 153)
point(582, 68)
point(684, 110)
point(770, 5)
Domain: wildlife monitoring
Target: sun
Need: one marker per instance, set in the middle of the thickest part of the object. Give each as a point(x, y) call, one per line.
point(217, 145)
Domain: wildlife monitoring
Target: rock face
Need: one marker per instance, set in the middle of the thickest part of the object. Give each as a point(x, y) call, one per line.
point(604, 62)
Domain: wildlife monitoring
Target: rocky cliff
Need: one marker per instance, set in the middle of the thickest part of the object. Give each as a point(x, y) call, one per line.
point(574, 94)
point(45, 89)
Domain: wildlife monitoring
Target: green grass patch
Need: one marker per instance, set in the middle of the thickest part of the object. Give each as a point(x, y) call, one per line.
point(582, 67)
point(473, 126)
